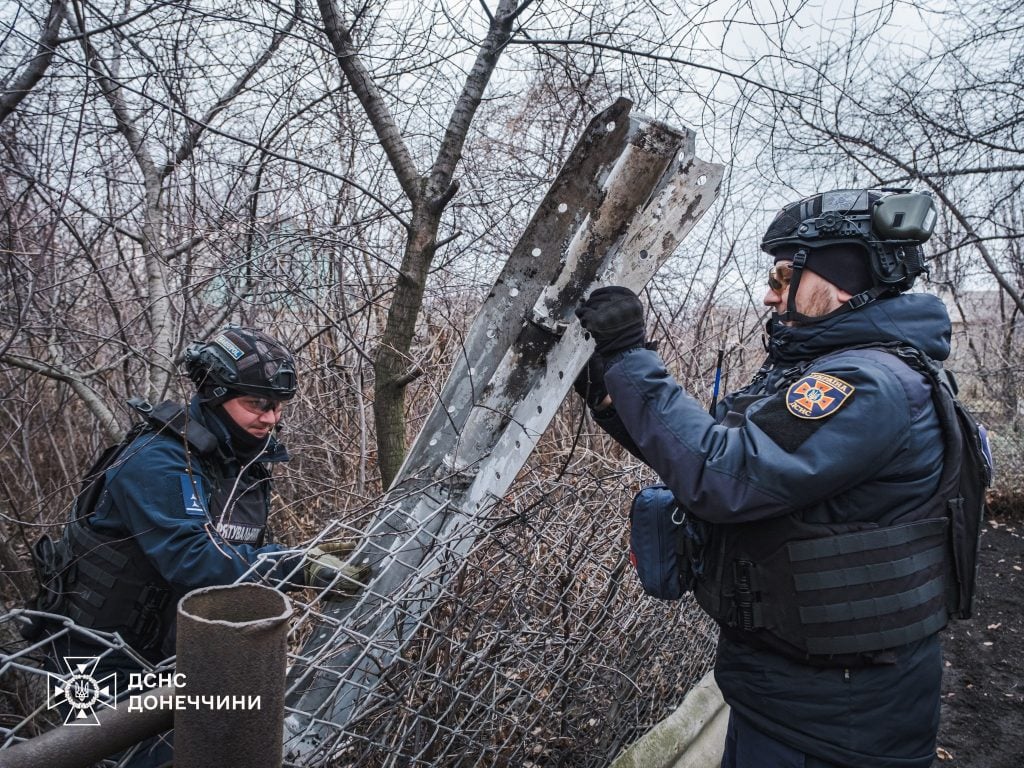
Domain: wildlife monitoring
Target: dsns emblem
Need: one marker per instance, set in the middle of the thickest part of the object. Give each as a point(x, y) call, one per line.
point(817, 395)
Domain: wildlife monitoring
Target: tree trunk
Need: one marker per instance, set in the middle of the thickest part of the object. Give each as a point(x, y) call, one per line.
point(429, 194)
point(394, 369)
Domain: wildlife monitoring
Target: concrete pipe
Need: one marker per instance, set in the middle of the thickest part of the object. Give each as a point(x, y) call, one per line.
point(230, 669)
point(72, 746)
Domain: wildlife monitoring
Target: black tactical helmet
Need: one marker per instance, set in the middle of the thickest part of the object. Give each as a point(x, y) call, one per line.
point(241, 361)
point(888, 225)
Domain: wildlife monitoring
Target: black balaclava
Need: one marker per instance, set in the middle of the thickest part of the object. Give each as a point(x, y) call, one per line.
point(246, 446)
point(846, 267)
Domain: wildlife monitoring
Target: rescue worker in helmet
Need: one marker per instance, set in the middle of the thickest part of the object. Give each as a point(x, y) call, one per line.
point(828, 653)
point(184, 505)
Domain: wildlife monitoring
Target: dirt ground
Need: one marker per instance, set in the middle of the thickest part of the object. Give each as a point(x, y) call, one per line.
point(982, 723)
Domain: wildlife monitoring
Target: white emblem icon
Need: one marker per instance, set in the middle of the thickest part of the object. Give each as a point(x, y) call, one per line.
point(81, 692)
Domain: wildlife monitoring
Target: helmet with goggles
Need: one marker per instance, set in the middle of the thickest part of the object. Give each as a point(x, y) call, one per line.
point(241, 361)
point(888, 225)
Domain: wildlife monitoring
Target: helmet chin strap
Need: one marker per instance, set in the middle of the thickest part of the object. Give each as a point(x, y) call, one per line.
point(792, 315)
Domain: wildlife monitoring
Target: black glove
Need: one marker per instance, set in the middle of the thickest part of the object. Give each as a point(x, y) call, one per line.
point(614, 316)
point(590, 383)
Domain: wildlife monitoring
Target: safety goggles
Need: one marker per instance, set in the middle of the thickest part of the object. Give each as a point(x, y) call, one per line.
point(259, 405)
point(779, 277)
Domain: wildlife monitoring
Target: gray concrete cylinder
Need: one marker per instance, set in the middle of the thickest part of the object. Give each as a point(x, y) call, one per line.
point(72, 746)
point(231, 646)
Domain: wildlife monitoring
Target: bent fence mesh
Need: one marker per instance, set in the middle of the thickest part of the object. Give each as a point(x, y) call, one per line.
point(540, 648)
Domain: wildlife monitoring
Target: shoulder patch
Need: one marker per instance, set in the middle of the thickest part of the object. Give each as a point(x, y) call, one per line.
point(192, 496)
point(229, 346)
point(817, 395)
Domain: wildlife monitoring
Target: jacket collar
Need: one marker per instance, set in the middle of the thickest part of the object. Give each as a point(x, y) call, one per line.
point(917, 319)
point(274, 452)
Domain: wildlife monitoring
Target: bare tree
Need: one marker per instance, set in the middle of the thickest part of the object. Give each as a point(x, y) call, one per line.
point(188, 198)
point(943, 116)
point(428, 194)
point(118, 56)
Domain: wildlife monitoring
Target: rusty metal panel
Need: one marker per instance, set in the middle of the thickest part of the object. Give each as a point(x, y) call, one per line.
point(628, 194)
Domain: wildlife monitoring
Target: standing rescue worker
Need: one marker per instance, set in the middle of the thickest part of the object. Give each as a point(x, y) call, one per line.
point(825, 557)
point(183, 504)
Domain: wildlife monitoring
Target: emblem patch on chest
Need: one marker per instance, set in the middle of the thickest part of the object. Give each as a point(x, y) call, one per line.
point(817, 395)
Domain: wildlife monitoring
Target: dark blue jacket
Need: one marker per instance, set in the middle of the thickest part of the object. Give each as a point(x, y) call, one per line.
point(199, 520)
point(173, 515)
point(873, 459)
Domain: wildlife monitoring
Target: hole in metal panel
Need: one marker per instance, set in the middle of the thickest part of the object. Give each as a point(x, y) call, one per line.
point(702, 180)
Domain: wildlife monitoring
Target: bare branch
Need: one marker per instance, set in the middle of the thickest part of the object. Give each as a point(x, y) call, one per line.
point(651, 55)
point(111, 91)
point(196, 127)
point(76, 381)
point(12, 97)
point(369, 96)
point(469, 101)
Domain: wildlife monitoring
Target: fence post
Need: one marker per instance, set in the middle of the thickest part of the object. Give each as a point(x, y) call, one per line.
point(232, 651)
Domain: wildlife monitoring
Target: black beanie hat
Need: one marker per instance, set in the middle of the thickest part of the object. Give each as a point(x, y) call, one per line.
point(845, 266)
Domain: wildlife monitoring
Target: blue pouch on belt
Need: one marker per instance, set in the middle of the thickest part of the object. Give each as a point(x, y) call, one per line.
point(664, 544)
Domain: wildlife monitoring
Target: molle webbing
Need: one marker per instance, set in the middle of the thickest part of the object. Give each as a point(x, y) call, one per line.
point(112, 587)
point(867, 590)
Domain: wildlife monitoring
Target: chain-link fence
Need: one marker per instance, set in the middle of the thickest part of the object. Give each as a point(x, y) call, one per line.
point(539, 650)
point(34, 673)
point(532, 643)
point(538, 647)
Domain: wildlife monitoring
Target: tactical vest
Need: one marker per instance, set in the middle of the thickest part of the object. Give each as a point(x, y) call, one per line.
point(842, 593)
point(108, 583)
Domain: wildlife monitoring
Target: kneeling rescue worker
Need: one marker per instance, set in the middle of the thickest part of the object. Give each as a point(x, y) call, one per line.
point(826, 547)
point(182, 503)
